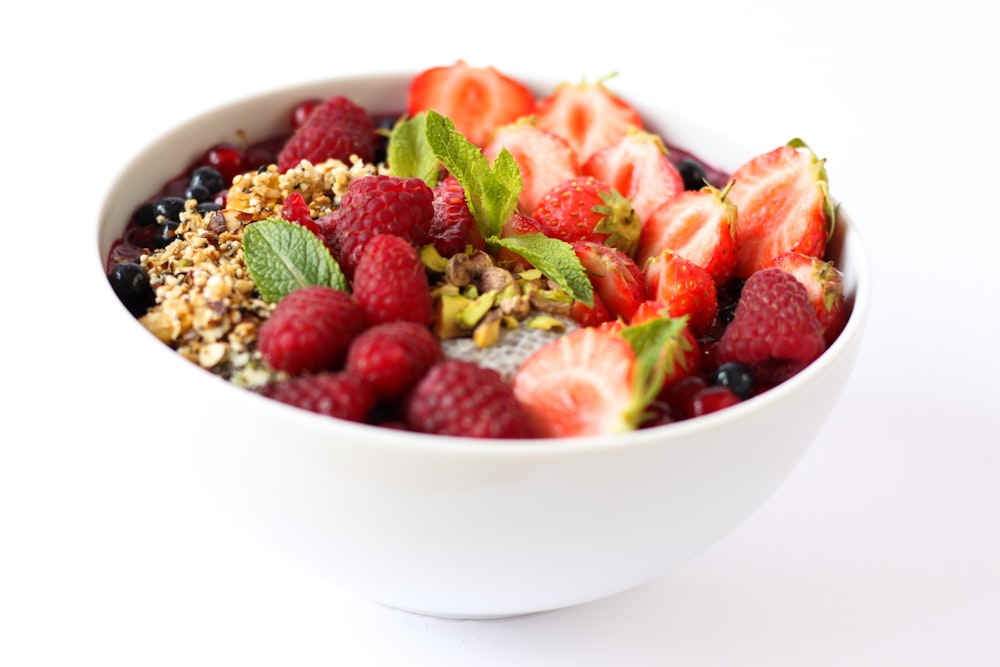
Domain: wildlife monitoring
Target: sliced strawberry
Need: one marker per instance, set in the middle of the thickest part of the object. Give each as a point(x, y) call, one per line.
point(783, 202)
point(616, 278)
point(544, 157)
point(681, 354)
point(581, 383)
point(697, 224)
point(584, 208)
point(684, 287)
point(477, 100)
point(638, 166)
point(588, 115)
point(825, 285)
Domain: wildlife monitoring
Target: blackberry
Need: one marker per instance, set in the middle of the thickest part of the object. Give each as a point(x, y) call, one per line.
point(131, 283)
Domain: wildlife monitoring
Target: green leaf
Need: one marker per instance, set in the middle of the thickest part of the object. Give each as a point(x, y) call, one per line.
point(410, 155)
point(284, 256)
point(659, 345)
point(492, 191)
point(554, 258)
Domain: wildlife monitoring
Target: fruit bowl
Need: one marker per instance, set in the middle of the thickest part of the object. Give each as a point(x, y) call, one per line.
point(470, 527)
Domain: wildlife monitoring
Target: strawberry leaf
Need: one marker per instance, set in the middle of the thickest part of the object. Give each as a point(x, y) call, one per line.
point(554, 258)
point(410, 155)
point(492, 191)
point(284, 256)
point(659, 345)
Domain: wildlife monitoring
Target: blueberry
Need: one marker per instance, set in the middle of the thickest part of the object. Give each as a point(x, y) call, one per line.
point(169, 207)
point(197, 192)
point(165, 233)
point(145, 215)
point(693, 174)
point(736, 376)
point(131, 284)
point(207, 177)
point(208, 206)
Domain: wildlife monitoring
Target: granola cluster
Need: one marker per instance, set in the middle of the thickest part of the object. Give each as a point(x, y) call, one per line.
point(207, 306)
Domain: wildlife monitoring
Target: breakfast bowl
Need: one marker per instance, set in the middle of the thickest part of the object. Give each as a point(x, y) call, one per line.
point(466, 527)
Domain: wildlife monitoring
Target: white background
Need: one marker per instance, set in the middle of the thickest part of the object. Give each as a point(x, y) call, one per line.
point(881, 549)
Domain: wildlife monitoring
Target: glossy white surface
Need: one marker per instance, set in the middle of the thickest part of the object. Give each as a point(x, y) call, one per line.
point(880, 548)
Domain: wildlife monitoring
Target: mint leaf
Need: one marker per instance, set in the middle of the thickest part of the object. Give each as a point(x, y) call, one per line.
point(659, 346)
point(410, 155)
point(284, 256)
point(556, 259)
point(492, 192)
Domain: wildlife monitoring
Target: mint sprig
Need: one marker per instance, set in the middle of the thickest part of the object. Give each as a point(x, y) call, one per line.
point(409, 154)
point(492, 192)
point(659, 346)
point(283, 256)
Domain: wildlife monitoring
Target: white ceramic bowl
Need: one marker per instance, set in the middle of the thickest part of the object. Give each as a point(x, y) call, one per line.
point(472, 528)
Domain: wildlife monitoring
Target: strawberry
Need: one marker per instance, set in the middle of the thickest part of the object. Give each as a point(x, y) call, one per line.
point(581, 383)
point(699, 225)
point(784, 204)
point(545, 159)
point(453, 226)
point(310, 330)
point(391, 284)
point(616, 279)
point(681, 355)
point(334, 394)
point(774, 330)
point(586, 209)
point(638, 166)
point(477, 100)
point(336, 129)
point(825, 285)
point(590, 316)
point(517, 224)
point(684, 288)
point(588, 115)
point(461, 398)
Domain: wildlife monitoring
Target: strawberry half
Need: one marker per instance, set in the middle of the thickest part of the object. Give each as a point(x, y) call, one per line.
point(638, 166)
point(616, 279)
point(587, 115)
point(477, 100)
point(545, 159)
point(582, 383)
point(685, 288)
point(586, 209)
point(784, 204)
point(700, 225)
point(681, 354)
point(825, 285)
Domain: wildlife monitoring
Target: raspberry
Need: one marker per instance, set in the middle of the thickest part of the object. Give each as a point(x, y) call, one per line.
point(378, 204)
point(296, 210)
point(453, 226)
point(391, 284)
point(462, 398)
point(774, 330)
point(393, 357)
point(334, 394)
point(310, 330)
point(336, 129)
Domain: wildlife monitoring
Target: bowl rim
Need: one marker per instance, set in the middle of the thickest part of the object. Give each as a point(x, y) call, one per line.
point(859, 299)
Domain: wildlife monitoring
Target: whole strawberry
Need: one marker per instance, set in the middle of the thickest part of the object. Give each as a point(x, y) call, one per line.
point(377, 204)
point(462, 398)
point(340, 394)
point(587, 209)
point(684, 288)
point(394, 356)
point(774, 329)
point(390, 283)
point(453, 227)
point(310, 330)
point(336, 129)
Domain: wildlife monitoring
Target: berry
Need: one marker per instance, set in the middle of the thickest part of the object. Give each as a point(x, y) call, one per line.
point(207, 177)
point(392, 357)
point(294, 209)
point(225, 158)
point(477, 100)
point(377, 204)
point(700, 225)
point(462, 398)
point(774, 329)
point(825, 285)
point(692, 173)
point(738, 377)
point(588, 115)
point(638, 166)
point(545, 159)
point(616, 279)
point(584, 208)
point(684, 288)
point(582, 383)
point(310, 330)
point(390, 283)
point(453, 227)
point(301, 112)
point(336, 129)
point(131, 283)
point(711, 399)
point(784, 205)
point(335, 394)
